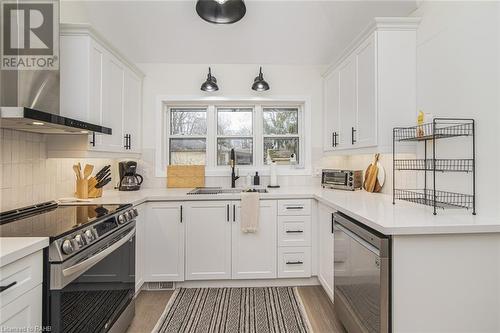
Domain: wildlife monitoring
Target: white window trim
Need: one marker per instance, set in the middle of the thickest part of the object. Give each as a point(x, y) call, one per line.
point(305, 149)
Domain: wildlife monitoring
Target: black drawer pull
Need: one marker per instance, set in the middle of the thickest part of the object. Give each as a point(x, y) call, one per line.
point(295, 207)
point(4, 288)
point(294, 262)
point(294, 231)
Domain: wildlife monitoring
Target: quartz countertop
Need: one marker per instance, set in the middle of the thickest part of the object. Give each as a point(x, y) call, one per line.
point(15, 248)
point(372, 209)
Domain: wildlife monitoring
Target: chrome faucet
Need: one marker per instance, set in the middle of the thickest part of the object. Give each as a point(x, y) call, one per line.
point(233, 175)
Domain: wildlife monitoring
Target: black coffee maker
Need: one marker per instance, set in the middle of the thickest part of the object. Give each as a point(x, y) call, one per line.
point(129, 179)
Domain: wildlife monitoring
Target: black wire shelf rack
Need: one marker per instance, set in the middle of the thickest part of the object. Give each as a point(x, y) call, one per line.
point(434, 130)
point(441, 165)
point(440, 199)
point(430, 133)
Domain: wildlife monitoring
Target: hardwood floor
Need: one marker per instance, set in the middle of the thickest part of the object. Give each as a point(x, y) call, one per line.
point(150, 305)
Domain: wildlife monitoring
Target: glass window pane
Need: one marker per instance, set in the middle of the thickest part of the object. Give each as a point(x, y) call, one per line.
point(234, 121)
point(187, 151)
point(280, 121)
point(280, 149)
point(188, 122)
point(243, 149)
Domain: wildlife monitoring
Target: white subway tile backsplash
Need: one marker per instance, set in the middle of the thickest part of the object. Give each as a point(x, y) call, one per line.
point(28, 177)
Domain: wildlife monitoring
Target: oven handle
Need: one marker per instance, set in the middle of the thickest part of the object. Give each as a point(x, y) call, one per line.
point(358, 239)
point(86, 264)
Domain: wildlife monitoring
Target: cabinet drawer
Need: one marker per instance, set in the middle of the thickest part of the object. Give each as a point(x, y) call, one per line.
point(294, 262)
point(22, 275)
point(294, 231)
point(25, 312)
point(294, 207)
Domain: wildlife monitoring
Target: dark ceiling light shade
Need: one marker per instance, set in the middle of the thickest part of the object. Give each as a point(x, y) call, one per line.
point(211, 83)
point(221, 11)
point(259, 84)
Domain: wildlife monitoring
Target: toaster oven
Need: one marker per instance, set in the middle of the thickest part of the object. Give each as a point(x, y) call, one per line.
point(342, 179)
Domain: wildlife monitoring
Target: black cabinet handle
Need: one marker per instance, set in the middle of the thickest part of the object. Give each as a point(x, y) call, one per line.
point(294, 231)
point(332, 222)
point(295, 207)
point(234, 213)
point(353, 141)
point(227, 212)
point(181, 213)
point(4, 288)
point(333, 139)
point(294, 262)
point(93, 139)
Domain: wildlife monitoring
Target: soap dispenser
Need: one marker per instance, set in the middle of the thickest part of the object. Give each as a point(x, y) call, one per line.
point(256, 179)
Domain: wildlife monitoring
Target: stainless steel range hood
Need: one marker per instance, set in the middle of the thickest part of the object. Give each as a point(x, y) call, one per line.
point(29, 101)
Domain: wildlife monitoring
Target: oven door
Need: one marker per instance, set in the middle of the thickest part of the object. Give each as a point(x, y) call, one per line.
point(89, 292)
point(335, 178)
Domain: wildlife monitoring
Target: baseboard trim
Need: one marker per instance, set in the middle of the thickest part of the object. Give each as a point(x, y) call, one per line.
point(289, 282)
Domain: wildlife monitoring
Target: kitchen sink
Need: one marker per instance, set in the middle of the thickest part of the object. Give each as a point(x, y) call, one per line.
point(220, 190)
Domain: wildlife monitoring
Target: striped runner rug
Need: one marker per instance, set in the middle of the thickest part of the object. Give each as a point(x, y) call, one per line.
point(233, 310)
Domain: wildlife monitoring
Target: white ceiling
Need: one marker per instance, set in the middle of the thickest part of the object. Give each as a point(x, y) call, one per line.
point(272, 32)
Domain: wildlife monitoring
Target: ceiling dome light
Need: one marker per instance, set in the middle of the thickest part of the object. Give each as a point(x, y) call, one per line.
point(221, 11)
point(211, 83)
point(259, 84)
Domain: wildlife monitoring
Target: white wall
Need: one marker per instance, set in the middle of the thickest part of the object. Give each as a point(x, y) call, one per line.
point(458, 75)
point(234, 80)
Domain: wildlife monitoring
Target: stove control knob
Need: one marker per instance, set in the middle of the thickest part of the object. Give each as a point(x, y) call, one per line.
point(80, 240)
point(129, 215)
point(67, 247)
point(136, 212)
point(121, 218)
point(89, 235)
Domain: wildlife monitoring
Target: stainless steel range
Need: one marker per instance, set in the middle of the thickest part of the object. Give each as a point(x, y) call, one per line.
point(89, 271)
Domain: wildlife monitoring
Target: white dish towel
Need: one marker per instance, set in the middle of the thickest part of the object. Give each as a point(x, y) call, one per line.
point(249, 212)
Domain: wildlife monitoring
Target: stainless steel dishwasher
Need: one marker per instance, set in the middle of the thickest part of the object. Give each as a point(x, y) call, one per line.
point(362, 265)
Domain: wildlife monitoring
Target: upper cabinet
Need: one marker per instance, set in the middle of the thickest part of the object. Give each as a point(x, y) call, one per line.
point(100, 86)
point(372, 88)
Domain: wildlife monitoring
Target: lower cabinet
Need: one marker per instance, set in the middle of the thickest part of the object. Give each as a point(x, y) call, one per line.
point(164, 241)
point(326, 259)
point(208, 240)
point(25, 312)
point(254, 254)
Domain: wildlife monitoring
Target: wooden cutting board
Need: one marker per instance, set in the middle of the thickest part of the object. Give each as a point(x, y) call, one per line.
point(371, 176)
point(185, 176)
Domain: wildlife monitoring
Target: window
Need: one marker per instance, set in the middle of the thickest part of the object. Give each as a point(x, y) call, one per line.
point(235, 130)
point(281, 134)
point(188, 132)
point(257, 132)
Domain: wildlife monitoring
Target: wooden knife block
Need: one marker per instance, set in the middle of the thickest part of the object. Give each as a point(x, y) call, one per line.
point(93, 191)
point(85, 188)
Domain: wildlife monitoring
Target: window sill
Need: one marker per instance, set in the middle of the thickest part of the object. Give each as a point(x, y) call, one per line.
point(243, 171)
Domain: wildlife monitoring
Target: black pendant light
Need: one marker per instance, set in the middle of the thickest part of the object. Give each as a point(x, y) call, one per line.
point(211, 83)
point(221, 11)
point(259, 84)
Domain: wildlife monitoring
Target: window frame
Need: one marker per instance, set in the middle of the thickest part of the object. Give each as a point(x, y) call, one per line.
point(302, 103)
point(169, 135)
point(218, 136)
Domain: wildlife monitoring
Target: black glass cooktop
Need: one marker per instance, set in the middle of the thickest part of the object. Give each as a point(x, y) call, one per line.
point(52, 220)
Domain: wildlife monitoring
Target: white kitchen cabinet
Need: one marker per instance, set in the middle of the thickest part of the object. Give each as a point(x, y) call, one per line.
point(25, 312)
point(208, 240)
point(347, 103)
point(164, 241)
point(254, 254)
point(294, 262)
point(140, 246)
point(325, 252)
point(98, 85)
point(331, 110)
point(376, 91)
point(21, 302)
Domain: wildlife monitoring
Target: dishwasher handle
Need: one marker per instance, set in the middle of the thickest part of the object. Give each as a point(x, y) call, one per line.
point(358, 239)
